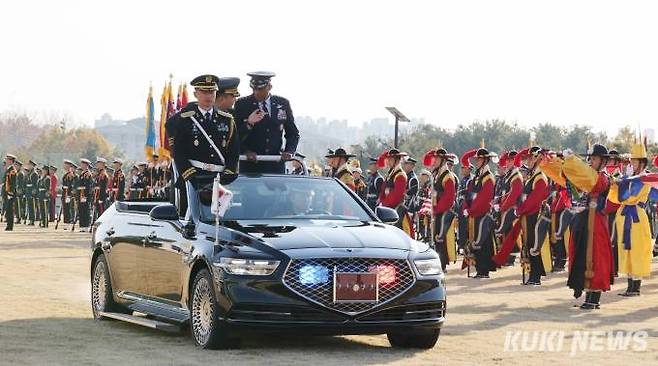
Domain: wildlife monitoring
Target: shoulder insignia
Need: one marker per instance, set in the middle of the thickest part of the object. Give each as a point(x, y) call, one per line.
point(225, 114)
point(187, 114)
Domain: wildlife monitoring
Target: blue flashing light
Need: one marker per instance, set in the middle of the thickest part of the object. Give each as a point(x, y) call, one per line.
point(312, 275)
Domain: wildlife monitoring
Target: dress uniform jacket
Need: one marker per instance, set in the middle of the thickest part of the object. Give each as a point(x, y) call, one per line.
point(189, 144)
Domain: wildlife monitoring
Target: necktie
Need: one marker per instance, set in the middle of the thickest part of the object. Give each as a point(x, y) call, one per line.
point(207, 116)
point(265, 109)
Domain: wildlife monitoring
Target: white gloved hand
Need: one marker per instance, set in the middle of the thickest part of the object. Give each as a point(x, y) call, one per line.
point(629, 170)
point(465, 213)
point(496, 207)
point(567, 152)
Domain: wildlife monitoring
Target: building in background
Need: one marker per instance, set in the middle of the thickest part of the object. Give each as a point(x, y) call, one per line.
point(128, 136)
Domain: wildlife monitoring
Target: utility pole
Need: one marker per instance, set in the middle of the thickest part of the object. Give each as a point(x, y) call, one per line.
point(399, 117)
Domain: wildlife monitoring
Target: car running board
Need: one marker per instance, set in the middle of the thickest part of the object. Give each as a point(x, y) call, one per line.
point(149, 323)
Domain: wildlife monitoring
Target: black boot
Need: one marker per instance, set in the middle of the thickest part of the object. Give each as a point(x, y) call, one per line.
point(591, 301)
point(636, 289)
point(629, 289)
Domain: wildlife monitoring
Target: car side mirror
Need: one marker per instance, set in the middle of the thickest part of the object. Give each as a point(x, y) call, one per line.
point(387, 214)
point(166, 212)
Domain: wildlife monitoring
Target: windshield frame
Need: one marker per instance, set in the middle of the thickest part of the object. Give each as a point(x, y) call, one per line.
point(357, 200)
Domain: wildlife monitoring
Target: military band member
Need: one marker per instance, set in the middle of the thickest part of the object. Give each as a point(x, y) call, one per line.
point(533, 217)
point(263, 121)
point(85, 188)
point(511, 189)
point(632, 223)
point(118, 186)
point(475, 208)
point(561, 217)
point(136, 184)
point(590, 257)
point(191, 130)
point(338, 160)
point(9, 190)
point(424, 222)
point(100, 187)
point(359, 183)
point(465, 174)
point(52, 170)
point(444, 194)
point(44, 196)
point(227, 93)
point(395, 187)
point(374, 183)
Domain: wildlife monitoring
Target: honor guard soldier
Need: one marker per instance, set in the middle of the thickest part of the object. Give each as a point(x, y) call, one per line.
point(9, 190)
point(466, 174)
point(20, 191)
point(424, 223)
point(298, 164)
point(359, 184)
point(533, 216)
point(136, 184)
point(475, 208)
point(204, 139)
point(395, 188)
point(31, 191)
point(444, 194)
point(85, 189)
point(227, 93)
point(118, 181)
point(68, 180)
point(100, 187)
point(44, 196)
point(263, 121)
point(590, 265)
point(374, 183)
point(411, 196)
point(510, 191)
point(338, 160)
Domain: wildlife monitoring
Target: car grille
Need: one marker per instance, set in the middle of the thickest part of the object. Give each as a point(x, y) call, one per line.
point(323, 293)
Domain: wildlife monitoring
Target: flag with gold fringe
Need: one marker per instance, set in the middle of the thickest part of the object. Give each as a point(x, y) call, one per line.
point(164, 115)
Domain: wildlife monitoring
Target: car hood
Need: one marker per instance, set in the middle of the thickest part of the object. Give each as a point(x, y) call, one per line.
point(330, 234)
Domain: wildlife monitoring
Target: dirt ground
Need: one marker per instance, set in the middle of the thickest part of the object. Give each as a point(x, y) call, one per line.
point(45, 318)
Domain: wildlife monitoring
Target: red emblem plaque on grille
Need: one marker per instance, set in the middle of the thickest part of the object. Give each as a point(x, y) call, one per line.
point(356, 287)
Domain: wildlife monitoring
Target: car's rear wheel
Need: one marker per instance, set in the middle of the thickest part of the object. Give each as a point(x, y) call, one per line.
point(101, 290)
point(206, 330)
point(424, 339)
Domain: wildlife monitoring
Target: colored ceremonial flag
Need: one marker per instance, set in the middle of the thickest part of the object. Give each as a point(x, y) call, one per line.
point(171, 109)
point(164, 102)
point(149, 147)
point(184, 96)
point(179, 101)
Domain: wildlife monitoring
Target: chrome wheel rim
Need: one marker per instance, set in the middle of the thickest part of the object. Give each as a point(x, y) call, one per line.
point(98, 288)
point(202, 311)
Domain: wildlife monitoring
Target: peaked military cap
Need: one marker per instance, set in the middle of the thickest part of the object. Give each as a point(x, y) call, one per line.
point(229, 86)
point(205, 82)
point(260, 79)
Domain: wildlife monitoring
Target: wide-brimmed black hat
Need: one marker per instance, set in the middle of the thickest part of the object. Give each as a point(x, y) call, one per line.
point(484, 153)
point(339, 153)
point(598, 150)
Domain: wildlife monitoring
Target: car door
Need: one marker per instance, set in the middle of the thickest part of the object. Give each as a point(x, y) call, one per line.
point(124, 245)
point(164, 261)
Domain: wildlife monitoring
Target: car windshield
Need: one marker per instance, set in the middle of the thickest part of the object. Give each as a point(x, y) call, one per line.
point(282, 197)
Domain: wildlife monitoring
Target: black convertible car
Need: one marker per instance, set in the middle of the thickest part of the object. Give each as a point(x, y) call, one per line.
point(293, 253)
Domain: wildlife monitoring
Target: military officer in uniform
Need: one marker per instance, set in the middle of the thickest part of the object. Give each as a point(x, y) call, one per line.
point(44, 196)
point(118, 181)
point(374, 183)
point(227, 93)
point(395, 187)
point(263, 120)
point(9, 190)
point(85, 195)
point(192, 128)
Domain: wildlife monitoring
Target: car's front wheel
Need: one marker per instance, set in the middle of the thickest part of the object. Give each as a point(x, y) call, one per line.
point(101, 290)
point(207, 331)
point(424, 339)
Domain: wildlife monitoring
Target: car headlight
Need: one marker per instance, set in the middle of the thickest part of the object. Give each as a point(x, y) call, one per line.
point(428, 267)
point(248, 267)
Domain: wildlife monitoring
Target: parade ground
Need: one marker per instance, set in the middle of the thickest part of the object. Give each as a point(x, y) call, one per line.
point(45, 318)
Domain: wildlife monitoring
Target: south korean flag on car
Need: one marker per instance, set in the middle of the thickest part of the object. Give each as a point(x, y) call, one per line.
point(221, 198)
